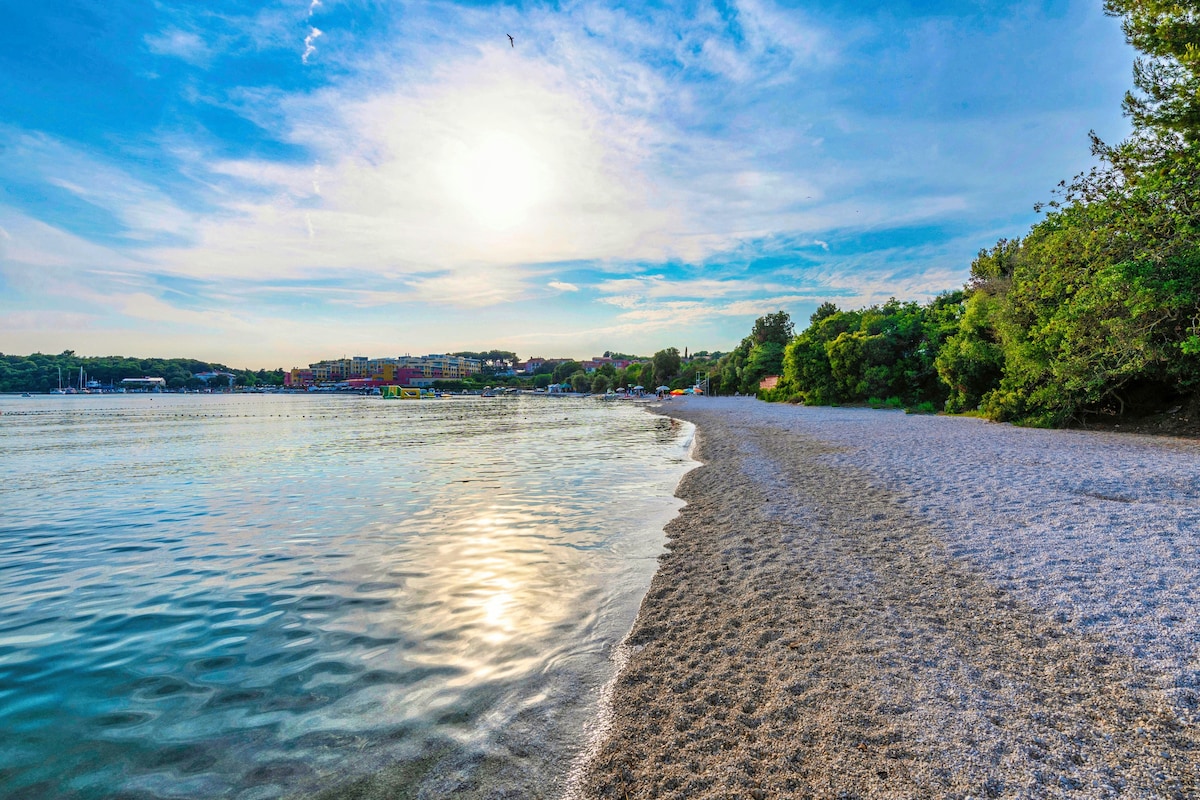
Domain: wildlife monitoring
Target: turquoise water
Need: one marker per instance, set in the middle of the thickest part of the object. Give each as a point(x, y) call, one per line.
point(277, 596)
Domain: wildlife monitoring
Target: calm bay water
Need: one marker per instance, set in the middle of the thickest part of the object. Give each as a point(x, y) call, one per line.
point(276, 596)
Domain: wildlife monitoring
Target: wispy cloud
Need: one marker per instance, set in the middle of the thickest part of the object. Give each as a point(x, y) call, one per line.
point(310, 45)
point(691, 164)
point(181, 44)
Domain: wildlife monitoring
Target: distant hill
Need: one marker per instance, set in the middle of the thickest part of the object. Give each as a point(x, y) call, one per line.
point(41, 372)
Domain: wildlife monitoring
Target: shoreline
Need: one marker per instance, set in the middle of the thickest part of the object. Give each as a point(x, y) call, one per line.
point(814, 632)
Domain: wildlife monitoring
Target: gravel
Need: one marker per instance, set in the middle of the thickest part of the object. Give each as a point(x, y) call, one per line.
point(861, 603)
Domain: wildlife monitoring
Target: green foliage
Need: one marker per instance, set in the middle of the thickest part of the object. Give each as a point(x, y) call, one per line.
point(758, 355)
point(1105, 295)
point(776, 328)
point(663, 367)
point(765, 358)
point(882, 351)
point(1167, 75)
point(40, 372)
point(580, 382)
point(564, 370)
point(971, 360)
point(600, 384)
point(1095, 311)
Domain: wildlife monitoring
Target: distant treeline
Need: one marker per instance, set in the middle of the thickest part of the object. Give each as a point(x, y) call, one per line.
point(41, 372)
point(1096, 311)
point(664, 368)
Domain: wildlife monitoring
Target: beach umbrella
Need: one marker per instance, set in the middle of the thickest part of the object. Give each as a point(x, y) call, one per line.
point(638, 387)
point(663, 389)
point(677, 391)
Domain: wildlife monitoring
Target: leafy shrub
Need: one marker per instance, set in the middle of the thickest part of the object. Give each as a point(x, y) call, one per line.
point(924, 407)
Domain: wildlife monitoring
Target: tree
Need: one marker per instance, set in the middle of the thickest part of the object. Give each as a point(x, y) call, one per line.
point(807, 371)
point(580, 382)
point(776, 328)
point(565, 369)
point(1167, 75)
point(971, 362)
point(826, 309)
point(600, 384)
point(635, 375)
point(764, 358)
point(664, 366)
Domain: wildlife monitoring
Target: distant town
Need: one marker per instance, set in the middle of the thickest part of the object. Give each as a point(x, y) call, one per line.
point(361, 372)
point(68, 373)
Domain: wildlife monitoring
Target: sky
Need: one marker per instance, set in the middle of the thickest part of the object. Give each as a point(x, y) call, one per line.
point(266, 183)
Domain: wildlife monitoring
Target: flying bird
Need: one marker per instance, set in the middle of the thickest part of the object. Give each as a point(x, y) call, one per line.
point(510, 39)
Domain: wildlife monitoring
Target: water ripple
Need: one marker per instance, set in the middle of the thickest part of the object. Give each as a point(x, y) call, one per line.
point(255, 596)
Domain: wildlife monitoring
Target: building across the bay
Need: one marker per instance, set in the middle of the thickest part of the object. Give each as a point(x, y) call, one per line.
point(144, 384)
point(364, 372)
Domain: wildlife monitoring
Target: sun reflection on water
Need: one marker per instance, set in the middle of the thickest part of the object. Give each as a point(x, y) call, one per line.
point(243, 611)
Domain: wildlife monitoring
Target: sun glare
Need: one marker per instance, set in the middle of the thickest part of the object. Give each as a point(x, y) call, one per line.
point(498, 179)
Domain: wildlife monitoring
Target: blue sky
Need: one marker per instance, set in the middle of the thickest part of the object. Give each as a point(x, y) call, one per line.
point(270, 182)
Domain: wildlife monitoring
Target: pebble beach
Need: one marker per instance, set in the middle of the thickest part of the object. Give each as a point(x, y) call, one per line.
point(865, 604)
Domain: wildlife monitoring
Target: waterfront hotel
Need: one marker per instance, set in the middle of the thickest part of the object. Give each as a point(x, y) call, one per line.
point(364, 372)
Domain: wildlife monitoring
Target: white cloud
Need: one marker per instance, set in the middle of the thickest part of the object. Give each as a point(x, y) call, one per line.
point(32, 322)
point(573, 148)
point(408, 181)
point(146, 212)
point(463, 289)
point(463, 172)
point(661, 287)
point(310, 46)
point(184, 45)
point(35, 251)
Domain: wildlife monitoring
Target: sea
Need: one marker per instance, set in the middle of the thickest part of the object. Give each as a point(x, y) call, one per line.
point(318, 596)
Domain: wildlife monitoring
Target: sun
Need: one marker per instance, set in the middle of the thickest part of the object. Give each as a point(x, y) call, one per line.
point(498, 179)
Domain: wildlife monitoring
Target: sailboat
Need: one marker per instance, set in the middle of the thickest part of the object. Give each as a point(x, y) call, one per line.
point(59, 390)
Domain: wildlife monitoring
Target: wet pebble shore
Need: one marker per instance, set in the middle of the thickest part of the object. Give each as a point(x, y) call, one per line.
point(816, 630)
